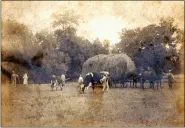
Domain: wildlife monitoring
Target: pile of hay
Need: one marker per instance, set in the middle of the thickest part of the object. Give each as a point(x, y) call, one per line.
point(118, 65)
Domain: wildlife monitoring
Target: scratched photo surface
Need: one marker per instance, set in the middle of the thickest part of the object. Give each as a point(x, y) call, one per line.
point(92, 63)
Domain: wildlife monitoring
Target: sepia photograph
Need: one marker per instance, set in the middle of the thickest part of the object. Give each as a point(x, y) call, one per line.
point(92, 63)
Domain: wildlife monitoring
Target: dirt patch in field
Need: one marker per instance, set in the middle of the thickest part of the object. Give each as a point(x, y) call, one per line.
point(35, 105)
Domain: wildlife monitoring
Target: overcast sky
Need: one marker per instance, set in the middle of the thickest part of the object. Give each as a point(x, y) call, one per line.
point(98, 19)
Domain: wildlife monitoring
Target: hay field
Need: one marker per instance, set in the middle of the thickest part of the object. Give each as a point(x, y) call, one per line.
point(39, 106)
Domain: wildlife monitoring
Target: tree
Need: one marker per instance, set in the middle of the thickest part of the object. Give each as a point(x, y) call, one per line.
point(106, 43)
point(66, 24)
point(18, 47)
point(98, 47)
point(153, 45)
point(16, 37)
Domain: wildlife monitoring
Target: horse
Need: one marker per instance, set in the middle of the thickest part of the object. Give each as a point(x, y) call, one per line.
point(147, 76)
point(159, 77)
point(133, 79)
point(154, 78)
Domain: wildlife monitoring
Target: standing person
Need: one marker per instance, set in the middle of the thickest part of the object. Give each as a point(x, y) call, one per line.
point(14, 78)
point(170, 79)
point(53, 82)
point(80, 81)
point(63, 77)
point(25, 79)
point(59, 82)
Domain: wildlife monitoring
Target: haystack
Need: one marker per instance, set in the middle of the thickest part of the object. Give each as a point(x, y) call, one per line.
point(118, 65)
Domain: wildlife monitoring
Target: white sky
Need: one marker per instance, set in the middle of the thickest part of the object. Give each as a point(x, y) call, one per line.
point(102, 19)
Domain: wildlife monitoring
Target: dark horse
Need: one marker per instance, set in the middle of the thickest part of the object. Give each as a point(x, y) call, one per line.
point(152, 77)
point(147, 76)
point(130, 79)
point(158, 77)
point(133, 79)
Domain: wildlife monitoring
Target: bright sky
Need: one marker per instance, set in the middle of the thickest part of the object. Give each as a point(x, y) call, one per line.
point(105, 27)
point(102, 19)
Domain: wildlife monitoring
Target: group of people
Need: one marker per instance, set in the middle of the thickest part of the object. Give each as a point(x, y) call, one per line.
point(58, 81)
point(14, 78)
point(55, 82)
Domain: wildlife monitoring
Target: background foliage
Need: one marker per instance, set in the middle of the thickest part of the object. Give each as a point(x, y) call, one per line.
point(62, 51)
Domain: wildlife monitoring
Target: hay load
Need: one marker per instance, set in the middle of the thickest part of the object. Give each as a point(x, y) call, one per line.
point(118, 65)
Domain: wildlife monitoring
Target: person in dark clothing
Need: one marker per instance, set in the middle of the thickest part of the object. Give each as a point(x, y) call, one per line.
point(170, 79)
point(53, 82)
point(14, 78)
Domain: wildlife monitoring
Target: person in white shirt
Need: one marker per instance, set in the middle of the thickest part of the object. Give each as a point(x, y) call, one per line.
point(80, 80)
point(25, 79)
point(63, 77)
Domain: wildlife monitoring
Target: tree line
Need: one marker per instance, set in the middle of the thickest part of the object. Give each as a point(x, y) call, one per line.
point(63, 51)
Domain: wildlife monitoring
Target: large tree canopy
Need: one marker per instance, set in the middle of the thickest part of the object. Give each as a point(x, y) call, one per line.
point(155, 46)
point(46, 53)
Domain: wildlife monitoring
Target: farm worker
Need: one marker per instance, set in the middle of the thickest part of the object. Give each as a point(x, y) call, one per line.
point(80, 81)
point(59, 82)
point(63, 77)
point(105, 73)
point(53, 82)
point(25, 79)
point(170, 79)
point(14, 78)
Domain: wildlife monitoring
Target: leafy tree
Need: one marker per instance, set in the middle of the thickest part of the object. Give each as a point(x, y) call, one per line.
point(98, 47)
point(153, 45)
point(16, 37)
point(106, 44)
point(66, 24)
point(78, 48)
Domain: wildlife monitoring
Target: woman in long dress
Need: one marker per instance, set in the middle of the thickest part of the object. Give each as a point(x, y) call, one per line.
point(63, 77)
point(25, 79)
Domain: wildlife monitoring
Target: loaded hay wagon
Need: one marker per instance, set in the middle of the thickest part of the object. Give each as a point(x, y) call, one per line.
point(118, 65)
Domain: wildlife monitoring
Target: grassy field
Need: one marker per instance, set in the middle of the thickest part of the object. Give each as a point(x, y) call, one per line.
point(35, 105)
